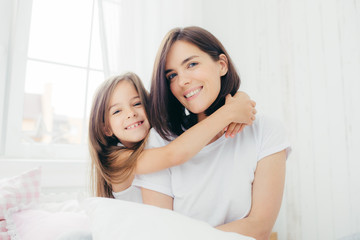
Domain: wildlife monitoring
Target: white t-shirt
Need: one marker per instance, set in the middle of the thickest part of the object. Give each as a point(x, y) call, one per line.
point(132, 194)
point(215, 186)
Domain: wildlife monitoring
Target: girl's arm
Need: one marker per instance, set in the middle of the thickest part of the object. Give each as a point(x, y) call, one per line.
point(238, 109)
point(267, 195)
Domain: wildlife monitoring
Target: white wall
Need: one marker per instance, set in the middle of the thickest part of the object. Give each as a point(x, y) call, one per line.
point(300, 60)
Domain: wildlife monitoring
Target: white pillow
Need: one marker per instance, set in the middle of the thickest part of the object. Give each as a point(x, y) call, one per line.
point(117, 219)
point(39, 224)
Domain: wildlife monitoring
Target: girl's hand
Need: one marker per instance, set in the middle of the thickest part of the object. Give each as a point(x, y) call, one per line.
point(243, 110)
point(233, 128)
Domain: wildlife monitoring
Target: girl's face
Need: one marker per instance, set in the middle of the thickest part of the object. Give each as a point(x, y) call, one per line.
point(195, 78)
point(127, 116)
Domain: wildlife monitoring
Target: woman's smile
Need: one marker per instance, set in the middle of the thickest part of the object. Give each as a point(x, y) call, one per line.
point(192, 93)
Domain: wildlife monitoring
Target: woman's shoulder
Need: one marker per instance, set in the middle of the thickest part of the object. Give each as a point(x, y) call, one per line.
point(266, 126)
point(270, 134)
point(265, 121)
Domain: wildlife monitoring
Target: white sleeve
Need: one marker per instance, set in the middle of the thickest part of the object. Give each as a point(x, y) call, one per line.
point(159, 181)
point(271, 137)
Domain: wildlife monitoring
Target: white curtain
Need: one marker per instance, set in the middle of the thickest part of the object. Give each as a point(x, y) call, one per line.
point(131, 31)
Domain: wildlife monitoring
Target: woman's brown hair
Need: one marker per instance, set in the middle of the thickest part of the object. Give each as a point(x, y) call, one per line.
point(107, 162)
point(167, 114)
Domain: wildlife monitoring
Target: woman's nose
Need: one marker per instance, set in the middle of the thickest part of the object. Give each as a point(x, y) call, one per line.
point(183, 80)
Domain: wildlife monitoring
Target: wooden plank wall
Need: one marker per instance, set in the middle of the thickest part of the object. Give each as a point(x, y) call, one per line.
point(300, 60)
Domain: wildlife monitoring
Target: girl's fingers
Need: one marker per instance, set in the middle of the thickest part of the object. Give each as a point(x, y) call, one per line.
point(237, 129)
point(230, 129)
point(242, 127)
point(253, 103)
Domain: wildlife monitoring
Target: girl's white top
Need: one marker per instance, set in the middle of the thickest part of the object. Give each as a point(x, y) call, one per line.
point(215, 185)
point(132, 194)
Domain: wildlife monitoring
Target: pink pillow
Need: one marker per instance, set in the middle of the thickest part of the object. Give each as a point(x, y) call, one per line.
point(4, 236)
point(3, 231)
point(3, 226)
point(43, 225)
point(19, 190)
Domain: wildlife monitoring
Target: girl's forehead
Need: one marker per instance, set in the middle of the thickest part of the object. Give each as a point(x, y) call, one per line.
point(123, 92)
point(124, 86)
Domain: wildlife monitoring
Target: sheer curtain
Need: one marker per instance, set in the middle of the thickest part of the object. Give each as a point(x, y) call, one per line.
point(131, 31)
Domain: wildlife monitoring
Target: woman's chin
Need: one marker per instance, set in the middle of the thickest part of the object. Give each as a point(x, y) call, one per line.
point(198, 109)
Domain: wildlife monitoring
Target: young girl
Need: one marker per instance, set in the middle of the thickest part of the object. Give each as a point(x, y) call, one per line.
point(119, 126)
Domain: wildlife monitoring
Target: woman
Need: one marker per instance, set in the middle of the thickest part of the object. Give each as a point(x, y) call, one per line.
point(235, 184)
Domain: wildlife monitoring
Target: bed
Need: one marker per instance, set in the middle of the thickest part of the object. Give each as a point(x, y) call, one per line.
point(27, 213)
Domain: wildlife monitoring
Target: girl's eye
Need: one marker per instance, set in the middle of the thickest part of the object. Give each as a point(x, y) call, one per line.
point(137, 104)
point(192, 65)
point(116, 112)
point(171, 76)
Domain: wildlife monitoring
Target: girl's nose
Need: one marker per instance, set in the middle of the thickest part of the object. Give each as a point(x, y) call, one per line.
point(131, 113)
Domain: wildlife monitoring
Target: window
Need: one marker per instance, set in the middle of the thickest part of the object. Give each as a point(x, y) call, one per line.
point(56, 67)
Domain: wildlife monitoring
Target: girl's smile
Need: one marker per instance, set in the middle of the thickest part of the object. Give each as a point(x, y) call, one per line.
point(135, 125)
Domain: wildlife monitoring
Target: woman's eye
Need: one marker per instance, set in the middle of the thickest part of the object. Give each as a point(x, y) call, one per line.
point(192, 65)
point(171, 76)
point(137, 104)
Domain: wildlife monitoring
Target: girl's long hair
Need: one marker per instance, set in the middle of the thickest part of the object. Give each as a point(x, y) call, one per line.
point(107, 164)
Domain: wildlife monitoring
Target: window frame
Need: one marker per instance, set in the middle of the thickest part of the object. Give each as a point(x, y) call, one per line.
point(12, 144)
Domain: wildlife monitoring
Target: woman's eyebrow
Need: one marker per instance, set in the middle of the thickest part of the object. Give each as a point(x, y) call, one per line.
point(188, 59)
point(183, 62)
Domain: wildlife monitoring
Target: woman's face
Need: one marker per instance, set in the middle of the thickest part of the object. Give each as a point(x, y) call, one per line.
point(127, 116)
point(195, 78)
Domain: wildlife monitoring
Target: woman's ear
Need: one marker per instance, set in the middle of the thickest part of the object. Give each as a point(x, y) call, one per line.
point(223, 60)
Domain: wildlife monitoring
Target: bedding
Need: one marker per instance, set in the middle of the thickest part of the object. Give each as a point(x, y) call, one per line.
point(4, 235)
point(25, 215)
point(32, 223)
point(117, 219)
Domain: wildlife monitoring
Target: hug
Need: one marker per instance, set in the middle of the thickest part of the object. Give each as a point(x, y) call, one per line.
point(193, 145)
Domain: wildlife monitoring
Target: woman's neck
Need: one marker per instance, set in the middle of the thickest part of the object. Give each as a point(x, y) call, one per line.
point(202, 116)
